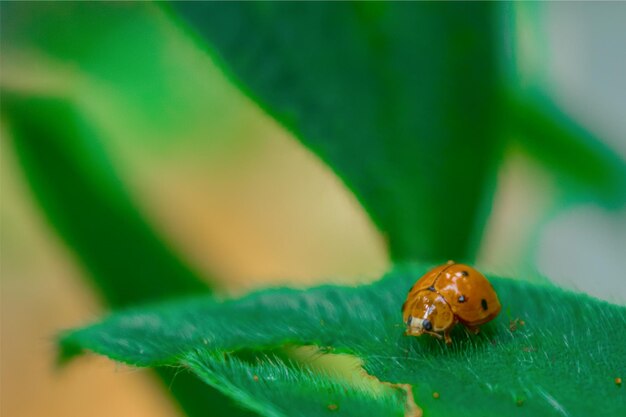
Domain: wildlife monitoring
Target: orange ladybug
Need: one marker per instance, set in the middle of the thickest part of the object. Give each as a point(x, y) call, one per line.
point(447, 295)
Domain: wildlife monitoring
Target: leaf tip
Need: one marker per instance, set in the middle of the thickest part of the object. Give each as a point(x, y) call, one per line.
point(68, 349)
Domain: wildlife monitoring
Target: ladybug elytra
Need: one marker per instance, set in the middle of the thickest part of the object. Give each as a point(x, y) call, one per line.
point(446, 295)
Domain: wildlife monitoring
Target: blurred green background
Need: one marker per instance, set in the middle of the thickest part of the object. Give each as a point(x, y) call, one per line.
point(237, 198)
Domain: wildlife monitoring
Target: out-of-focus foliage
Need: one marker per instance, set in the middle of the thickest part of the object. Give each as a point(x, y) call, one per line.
point(84, 199)
point(589, 170)
point(407, 122)
point(116, 45)
point(90, 209)
point(407, 104)
point(535, 358)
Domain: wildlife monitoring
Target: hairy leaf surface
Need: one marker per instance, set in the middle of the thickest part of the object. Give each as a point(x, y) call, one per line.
point(272, 387)
point(546, 348)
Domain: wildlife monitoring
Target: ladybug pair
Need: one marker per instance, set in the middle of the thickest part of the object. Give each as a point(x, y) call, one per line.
point(446, 295)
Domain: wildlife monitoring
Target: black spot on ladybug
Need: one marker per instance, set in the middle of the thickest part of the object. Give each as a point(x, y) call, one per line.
point(431, 288)
point(483, 303)
point(427, 325)
point(409, 320)
point(462, 299)
point(465, 273)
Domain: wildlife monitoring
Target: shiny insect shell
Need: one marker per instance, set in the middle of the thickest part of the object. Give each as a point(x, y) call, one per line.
point(446, 295)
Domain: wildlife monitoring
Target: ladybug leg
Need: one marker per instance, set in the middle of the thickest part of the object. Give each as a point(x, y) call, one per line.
point(446, 332)
point(474, 330)
point(412, 332)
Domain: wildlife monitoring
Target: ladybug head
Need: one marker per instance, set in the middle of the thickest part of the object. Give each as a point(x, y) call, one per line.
point(418, 325)
point(429, 314)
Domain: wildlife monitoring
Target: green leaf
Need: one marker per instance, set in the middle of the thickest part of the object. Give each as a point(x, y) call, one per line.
point(274, 388)
point(398, 98)
point(568, 149)
point(561, 362)
point(84, 200)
